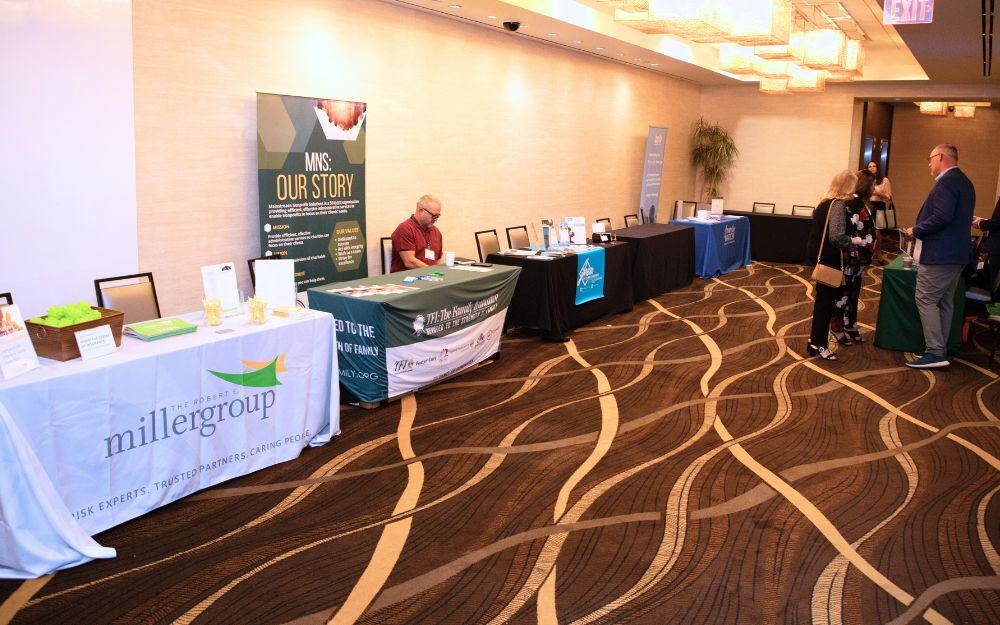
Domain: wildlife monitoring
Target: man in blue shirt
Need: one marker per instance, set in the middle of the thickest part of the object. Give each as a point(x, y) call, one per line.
point(942, 227)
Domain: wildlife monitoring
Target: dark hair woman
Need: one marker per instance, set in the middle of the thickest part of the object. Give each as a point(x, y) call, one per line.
point(828, 239)
point(881, 201)
point(860, 226)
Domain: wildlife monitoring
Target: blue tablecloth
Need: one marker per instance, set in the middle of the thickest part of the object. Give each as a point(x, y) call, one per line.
point(719, 246)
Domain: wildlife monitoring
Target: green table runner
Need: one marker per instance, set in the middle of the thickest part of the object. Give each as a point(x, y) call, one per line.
point(898, 326)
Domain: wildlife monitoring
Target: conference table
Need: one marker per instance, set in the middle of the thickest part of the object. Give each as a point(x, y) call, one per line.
point(545, 297)
point(403, 331)
point(721, 243)
point(88, 445)
point(777, 238)
point(662, 257)
point(898, 326)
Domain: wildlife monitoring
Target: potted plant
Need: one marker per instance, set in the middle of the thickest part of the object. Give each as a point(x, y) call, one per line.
point(714, 152)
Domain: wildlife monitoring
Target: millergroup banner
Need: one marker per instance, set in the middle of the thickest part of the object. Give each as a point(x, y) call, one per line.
point(652, 172)
point(311, 178)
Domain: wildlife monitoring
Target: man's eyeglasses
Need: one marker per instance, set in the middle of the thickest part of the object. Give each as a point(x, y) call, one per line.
point(931, 157)
point(434, 216)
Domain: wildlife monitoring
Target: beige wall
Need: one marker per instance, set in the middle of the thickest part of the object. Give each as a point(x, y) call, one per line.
point(504, 130)
point(914, 136)
point(790, 146)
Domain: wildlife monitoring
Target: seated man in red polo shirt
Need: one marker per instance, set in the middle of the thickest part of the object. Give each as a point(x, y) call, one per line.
point(416, 242)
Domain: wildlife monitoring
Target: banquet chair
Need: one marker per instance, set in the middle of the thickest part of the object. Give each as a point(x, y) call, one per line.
point(136, 297)
point(631, 220)
point(763, 207)
point(385, 246)
point(982, 297)
point(517, 237)
point(689, 208)
point(606, 220)
point(802, 211)
point(487, 242)
point(781, 210)
point(6, 299)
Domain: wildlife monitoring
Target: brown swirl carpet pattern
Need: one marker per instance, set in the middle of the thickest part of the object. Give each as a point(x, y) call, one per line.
point(681, 463)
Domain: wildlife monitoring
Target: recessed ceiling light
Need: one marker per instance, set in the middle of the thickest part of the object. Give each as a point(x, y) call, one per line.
point(598, 48)
point(491, 17)
point(654, 64)
point(577, 41)
point(552, 34)
point(454, 6)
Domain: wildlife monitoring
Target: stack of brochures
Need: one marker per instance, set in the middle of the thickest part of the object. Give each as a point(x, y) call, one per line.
point(159, 328)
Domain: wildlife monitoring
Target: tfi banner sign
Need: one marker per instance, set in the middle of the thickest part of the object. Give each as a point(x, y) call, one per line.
point(908, 12)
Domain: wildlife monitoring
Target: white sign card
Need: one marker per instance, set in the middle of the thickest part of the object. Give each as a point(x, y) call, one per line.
point(275, 282)
point(577, 229)
point(717, 206)
point(95, 342)
point(220, 283)
point(17, 354)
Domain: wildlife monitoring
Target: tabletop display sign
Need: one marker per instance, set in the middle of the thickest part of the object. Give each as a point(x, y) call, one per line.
point(275, 282)
point(220, 283)
point(96, 342)
point(652, 173)
point(896, 12)
point(311, 180)
point(577, 230)
point(17, 354)
point(589, 275)
point(395, 338)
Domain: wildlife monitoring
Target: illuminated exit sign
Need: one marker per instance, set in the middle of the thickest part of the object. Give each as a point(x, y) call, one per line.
point(908, 12)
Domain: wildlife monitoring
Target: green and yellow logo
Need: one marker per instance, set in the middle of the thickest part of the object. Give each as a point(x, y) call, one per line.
point(260, 374)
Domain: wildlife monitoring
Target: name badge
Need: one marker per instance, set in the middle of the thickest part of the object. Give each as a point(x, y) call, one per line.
point(429, 254)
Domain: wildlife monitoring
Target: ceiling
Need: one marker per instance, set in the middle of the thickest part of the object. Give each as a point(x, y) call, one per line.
point(947, 51)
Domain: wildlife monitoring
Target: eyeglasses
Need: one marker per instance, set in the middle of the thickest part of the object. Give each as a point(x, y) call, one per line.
point(931, 157)
point(434, 216)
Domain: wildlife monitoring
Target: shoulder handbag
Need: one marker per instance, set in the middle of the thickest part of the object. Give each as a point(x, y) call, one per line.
point(824, 274)
point(890, 215)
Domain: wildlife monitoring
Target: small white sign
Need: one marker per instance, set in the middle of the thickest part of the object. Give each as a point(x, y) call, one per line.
point(577, 230)
point(275, 282)
point(17, 354)
point(716, 206)
point(96, 342)
point(220, 283)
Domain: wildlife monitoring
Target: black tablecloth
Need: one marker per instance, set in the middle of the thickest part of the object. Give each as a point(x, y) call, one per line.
point(662, 257)
point(545, 297)
point(777, 238)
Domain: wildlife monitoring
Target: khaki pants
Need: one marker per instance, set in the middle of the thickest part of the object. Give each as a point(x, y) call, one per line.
point(935, 297)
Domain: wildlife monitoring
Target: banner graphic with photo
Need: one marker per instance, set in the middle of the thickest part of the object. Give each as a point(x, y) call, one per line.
point(652, 173)
point(311, 179)
point(395, 338)
point(589, 275)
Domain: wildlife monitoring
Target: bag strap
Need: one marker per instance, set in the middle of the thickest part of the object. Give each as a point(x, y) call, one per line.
point(826, 233)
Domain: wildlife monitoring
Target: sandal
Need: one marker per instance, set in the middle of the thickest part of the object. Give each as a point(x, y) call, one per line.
point(822, 352)
point(855, 335)
point(842, 337)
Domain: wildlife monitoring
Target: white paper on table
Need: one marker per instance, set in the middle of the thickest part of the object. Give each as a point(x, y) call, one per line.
point(95, 342)
point(220, 283)
point(717, 206)
point(275, 282)
point(577, 229)
point(17, 354)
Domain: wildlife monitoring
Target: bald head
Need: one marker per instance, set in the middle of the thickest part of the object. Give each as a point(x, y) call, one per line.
point(942, 157)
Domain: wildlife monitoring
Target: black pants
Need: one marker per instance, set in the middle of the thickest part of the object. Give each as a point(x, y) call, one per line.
point(823, 307)
point(994, 266)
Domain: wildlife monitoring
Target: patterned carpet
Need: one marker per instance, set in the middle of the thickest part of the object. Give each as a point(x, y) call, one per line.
point(681, 463)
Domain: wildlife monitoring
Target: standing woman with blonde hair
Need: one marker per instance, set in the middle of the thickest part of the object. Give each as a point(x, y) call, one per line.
point(827, 240)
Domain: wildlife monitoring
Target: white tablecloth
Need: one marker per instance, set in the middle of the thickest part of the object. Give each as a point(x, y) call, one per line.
point(85, 446)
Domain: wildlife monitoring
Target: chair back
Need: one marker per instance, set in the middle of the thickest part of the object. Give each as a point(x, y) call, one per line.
point(385, 247)
point(517, 237)
point(136, 296)
point(606, 220)
point(631, 220)
point(802, 211)
point(783, 210)
point(487, 242)
point(6, 299)
point(763, 207)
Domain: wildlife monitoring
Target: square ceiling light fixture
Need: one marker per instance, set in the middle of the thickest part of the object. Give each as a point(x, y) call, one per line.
point(933, 108)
